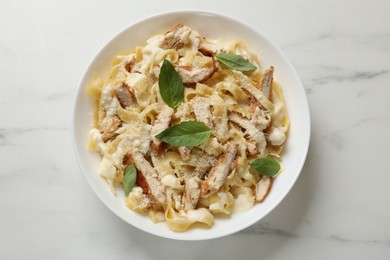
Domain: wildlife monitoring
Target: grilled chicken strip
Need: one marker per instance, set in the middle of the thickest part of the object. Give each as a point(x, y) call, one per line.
point(255, 135)
point(201, 69)
point(208, 48)
point(162, 123)
point(129, 65)
point(108, 127)
point(201, 161)
point(251, 146)
point(260, 118)
point(184, 152)
point(219, 172)
point(266, 82)
point(202, 111)
point(262, 188)
point(191, 193)
point(176, 37)
point(125, 96)
point(147, 177)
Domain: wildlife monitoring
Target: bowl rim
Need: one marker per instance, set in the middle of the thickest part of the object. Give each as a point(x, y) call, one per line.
point(80, 88)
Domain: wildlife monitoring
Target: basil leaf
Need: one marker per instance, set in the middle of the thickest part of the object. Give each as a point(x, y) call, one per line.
point(170, 85)
point(266, 166)
point(189, 133)
point(235, 61)
point(129, 179)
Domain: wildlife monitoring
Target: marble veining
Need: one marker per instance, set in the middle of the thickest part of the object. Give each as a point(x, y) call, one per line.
point(340, 75)
point(8, 132)
point(344, 240)
point(265, 229)
point(2, 140)
point(59, 96)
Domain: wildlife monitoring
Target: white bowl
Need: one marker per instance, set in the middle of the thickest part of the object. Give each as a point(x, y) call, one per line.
point(211, 25)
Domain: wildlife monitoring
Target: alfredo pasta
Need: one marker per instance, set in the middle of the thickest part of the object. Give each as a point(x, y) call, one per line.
point(189, 128)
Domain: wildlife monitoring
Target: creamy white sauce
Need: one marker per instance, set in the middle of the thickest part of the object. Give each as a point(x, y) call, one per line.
point(109, 103)
point(149, 54)
point(107, 170)
point(276, 137)
point(133, 79)
point(220, 204)
point(212, 147)
point(244, 200)
point(171, 181)
point(137, 139)
point(96, 138)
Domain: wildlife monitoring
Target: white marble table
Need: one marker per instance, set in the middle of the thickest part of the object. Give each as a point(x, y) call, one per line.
point(338, 209)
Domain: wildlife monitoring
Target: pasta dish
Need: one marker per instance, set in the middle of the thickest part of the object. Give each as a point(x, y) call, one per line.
point(188, 128)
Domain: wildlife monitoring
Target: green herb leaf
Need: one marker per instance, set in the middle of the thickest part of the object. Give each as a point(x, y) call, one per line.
point(189, 133)
point(170, 85)
point(129, 179)
point(235, 61)
point(266, 166)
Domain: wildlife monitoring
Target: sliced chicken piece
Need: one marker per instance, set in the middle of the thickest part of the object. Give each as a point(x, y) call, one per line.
point(262, 188)
point(191, 193)
point(156, 71)
point(162, 123)
point(147, 178)
point(129, 63)
point(176, 37)
point(201, 161)
point(202, 111)
point(162, 166)
point(260, 118)
point(200, 69)
point(255, 135)
point(220, 117)
point(185, 152)
point(108, 127)
point(219, 172)
point(251, 146)
point(125, 96)
point(266, 82)
point(208, 48)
